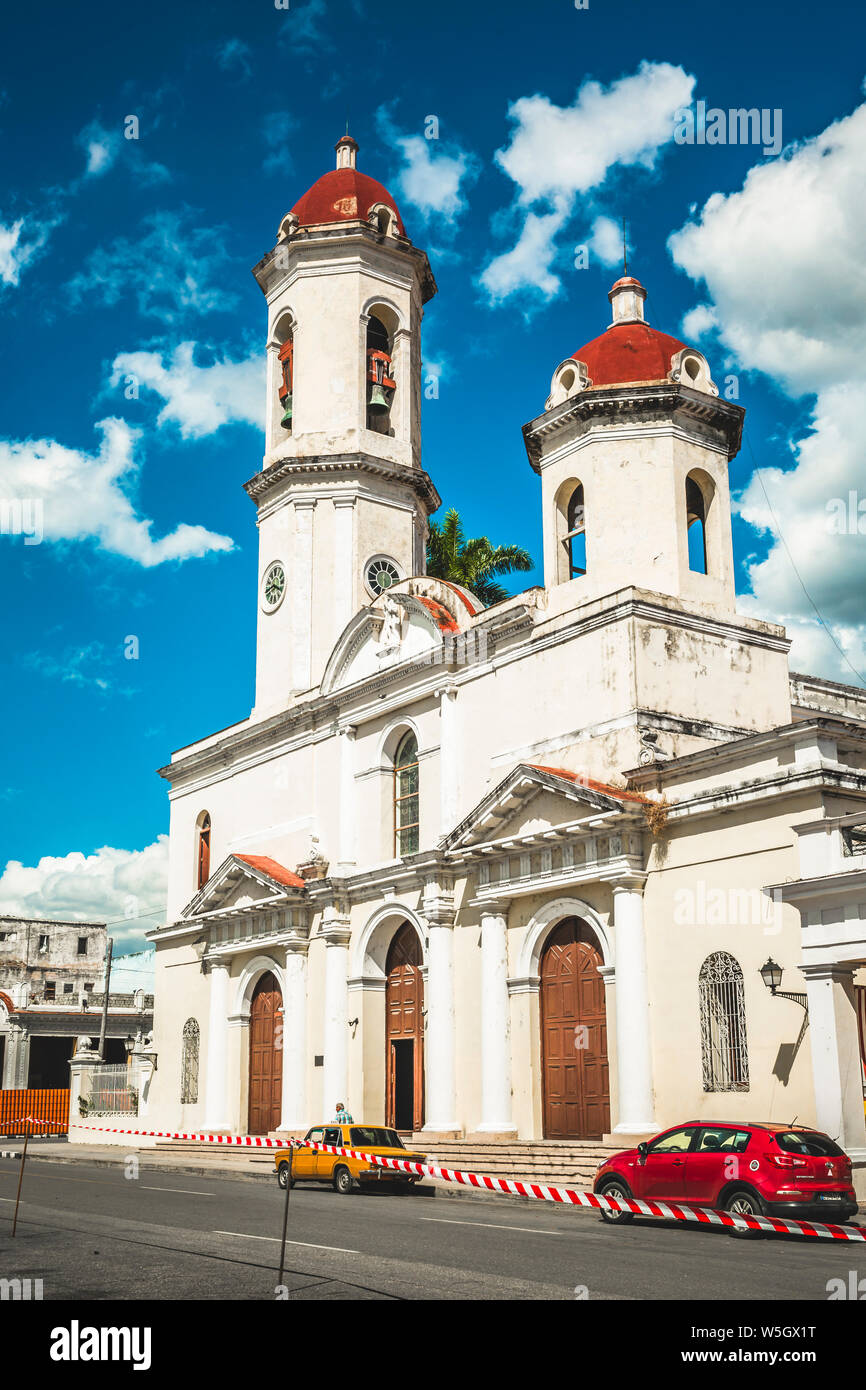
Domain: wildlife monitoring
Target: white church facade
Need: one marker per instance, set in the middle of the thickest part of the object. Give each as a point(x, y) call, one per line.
point(514, 870)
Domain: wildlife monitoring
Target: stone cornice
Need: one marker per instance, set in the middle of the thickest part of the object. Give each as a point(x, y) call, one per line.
point(318, 465)
point(276, 264)
point(655, 399)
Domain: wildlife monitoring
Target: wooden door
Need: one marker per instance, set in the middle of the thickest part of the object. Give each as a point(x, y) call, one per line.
point(573, 1035)
point(266, 1056)
point(404, 1024)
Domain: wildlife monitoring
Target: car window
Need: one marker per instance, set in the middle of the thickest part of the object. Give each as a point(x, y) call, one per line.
point(333, 1136)
point(810, 1142)
point(674, 1143)
point(727, 1141)
point(371, 1137)
point(314, 1136)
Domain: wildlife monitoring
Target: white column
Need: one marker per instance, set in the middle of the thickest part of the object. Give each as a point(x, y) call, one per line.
point(348, 809)
point(294, 1107)
point(439, 1042)
point(449, 757)
point(835, 1048)
point(335, 1073)
point(344, 562)
point(633, 1042)
point(301, 595)
point(495, 1029)
point(216, 1103)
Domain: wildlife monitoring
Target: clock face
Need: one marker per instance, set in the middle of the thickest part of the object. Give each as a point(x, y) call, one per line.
point(381, 575)
point(273, 587)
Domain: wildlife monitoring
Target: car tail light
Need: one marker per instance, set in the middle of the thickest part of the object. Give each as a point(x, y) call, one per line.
point(788, 1161)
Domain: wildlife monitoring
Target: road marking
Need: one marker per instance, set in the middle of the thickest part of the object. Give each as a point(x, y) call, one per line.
point(189, 1191)
point(308, 1244)
point(492, 1225)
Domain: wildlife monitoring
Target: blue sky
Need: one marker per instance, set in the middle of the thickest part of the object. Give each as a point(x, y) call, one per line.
point(129, 260)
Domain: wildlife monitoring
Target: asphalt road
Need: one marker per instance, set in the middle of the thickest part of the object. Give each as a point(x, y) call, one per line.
point(94, 1233)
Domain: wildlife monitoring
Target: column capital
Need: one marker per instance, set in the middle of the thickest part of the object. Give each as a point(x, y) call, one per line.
point(495, 907)
point(829, 970)
point(629, 883)
point(344, 500)
point(304, 504)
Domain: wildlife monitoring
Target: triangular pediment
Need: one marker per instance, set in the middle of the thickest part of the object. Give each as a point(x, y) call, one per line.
point(532, 800)
point(241, 882)
point(409, 623)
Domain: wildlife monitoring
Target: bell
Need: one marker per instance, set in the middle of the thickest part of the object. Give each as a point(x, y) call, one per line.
point(379, 398)
point(286, 421)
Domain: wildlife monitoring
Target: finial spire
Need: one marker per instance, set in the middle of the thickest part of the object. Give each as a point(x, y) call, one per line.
point(346, 148)
point(624, 250)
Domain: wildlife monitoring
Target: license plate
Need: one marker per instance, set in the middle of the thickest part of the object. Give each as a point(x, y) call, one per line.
point(831, 1197)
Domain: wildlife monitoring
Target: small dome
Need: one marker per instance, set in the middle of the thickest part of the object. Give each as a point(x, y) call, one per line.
point(344, 194)
point(628, 352)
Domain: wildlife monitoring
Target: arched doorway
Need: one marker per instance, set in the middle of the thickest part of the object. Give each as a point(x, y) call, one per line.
point(404, 1031)
point(266, 1055)
point(574, 1065)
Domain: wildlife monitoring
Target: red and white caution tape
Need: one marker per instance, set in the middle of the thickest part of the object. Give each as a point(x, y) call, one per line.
point(542, 1192)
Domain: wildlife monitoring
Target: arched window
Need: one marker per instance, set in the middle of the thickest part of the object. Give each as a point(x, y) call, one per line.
point(380, 380)
point(575, 533)
point(286, 357)
point(724, 1052)
point(696, 522)
point(406, 796)
point(202, 849)
point(189, 1063)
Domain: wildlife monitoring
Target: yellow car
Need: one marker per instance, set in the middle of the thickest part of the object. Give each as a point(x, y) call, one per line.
point(310, 1164)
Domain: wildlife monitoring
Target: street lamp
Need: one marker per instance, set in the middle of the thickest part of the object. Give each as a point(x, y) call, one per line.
point(129, 1044)
point(771, 974)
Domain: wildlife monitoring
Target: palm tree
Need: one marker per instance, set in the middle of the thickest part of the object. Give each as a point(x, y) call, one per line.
point(474, 562)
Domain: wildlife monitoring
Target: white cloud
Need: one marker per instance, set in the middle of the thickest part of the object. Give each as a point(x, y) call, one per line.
point(20, 243)
point(172, 269)
point(698, 322)
point(528, 265)
point(110, 885)
point(87, 497)
point(86, 667)
point(278, 130)
point(101, 148)
point(605, 242)
point(560, 153)
point(198, 399)
point(783, 264)
point(234, 53)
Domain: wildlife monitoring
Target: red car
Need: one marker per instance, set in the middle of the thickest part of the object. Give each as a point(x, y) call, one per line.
point(751, 1169)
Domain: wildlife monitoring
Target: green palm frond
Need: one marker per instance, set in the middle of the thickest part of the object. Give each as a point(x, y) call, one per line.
point(472, 562)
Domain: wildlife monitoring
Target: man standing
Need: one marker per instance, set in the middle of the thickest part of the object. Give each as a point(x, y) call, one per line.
point(342, 1116)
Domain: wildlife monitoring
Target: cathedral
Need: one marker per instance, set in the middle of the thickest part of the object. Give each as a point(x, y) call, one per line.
point(575, 866)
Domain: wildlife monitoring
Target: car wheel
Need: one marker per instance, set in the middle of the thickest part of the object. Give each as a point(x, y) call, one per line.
point(343, 1181)
point(283, 1176)
point(743, 1202)
point(620, 1192)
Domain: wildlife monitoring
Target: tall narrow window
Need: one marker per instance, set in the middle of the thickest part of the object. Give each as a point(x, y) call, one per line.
point(406, 796)
point(380, 381)
point(724, 1051)
point(287, 367)
point(203, 850)
point(696, 521)
point(189, 1063)
point(575, 533)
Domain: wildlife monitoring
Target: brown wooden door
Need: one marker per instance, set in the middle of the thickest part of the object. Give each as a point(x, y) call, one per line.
point(266, 1056)
point(404, 1031)
point(573, 1035)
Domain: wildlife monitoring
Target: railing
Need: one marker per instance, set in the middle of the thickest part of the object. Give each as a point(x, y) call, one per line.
point(109, 1089)
point(50, 1106)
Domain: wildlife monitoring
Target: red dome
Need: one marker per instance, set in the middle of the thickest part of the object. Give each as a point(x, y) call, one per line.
point(629, 352)
point(343, 195)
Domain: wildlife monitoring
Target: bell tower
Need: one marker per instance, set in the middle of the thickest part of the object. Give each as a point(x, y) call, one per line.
point(343, 501)
point(633, 450)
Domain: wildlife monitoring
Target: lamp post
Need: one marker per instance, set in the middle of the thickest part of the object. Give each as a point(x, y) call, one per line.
point(771, 974)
